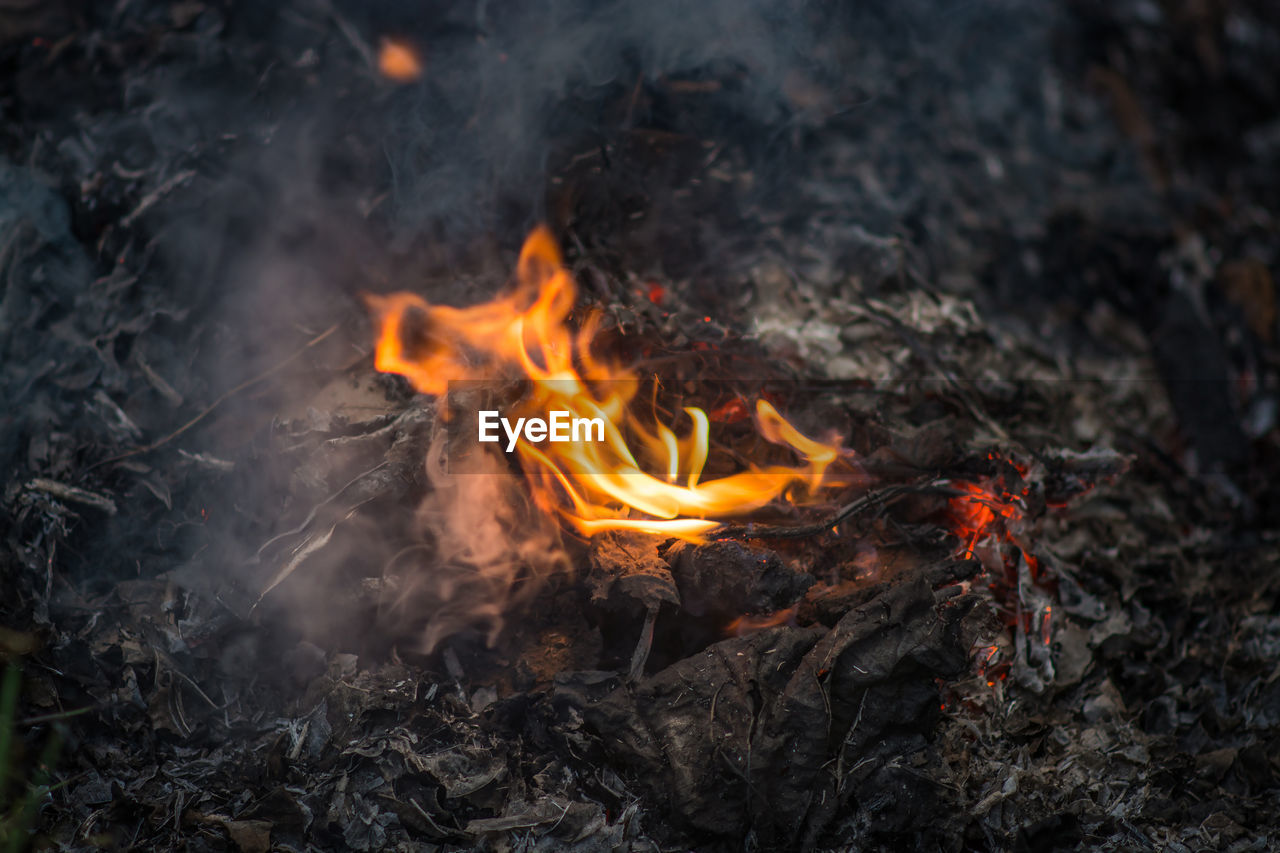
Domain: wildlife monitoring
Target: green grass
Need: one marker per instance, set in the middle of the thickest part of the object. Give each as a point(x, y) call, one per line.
point(18, 816)
point(8, 707)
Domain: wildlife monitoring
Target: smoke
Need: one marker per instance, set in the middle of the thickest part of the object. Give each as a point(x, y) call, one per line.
point(357, 173)
point(312, 179)
point(505, 84)
point(340, 191)
point(266, 176)
point(486, 549)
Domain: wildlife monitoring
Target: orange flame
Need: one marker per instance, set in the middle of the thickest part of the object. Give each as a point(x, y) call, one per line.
point(750, 624)
point(601, 485)
point(398, 61)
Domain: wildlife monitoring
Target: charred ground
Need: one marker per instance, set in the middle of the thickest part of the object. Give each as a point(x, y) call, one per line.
point(1001, 237)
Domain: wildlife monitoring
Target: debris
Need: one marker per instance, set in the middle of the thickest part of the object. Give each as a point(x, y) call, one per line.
point(738, 739)
point(150, 199)
point(1036, 314)
point(73, 494)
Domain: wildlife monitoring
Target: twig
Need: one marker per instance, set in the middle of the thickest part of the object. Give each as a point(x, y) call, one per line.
point(427, 817)
point(306, 522)
point(55, 717)
point(879, 499)
point(196, 687)
point(641, 655)
point(74, 494)
point(157, 381)
point(149, 200)
point(218, 402)
point(352, 35)
point(300, 554)
point(917, 346)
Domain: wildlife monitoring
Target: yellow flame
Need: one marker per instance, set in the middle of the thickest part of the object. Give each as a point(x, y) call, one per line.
point(526, 334)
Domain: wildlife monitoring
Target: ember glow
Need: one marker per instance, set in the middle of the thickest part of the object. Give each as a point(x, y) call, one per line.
point(750, 624)
point(398, 61)
point(643, 476)
point(990, 514)
point(984, 511)
point(974, 514)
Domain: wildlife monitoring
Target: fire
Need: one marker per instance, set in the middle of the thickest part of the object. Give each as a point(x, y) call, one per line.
point(990, 513)
point(749, 624)
point(974, 514)
point(398, 61)
point(642, 476)
point(984, 511)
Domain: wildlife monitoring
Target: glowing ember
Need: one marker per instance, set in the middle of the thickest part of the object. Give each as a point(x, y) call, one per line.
point(987, 511)
point(657, 293)
point(397, 61)
point(988, 514)
point(744, 625)
point(605, 485)
point(731, 412)
point(974, 514)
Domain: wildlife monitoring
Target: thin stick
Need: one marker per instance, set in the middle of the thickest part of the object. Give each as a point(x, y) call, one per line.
point(53, 718)
point(641, 655)
point(880, 499)
point(352, 35)
point(150, 199)
point(73, 494)
point(218, 402)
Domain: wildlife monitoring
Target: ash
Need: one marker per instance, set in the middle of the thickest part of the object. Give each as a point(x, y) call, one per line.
point(1019, 251)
